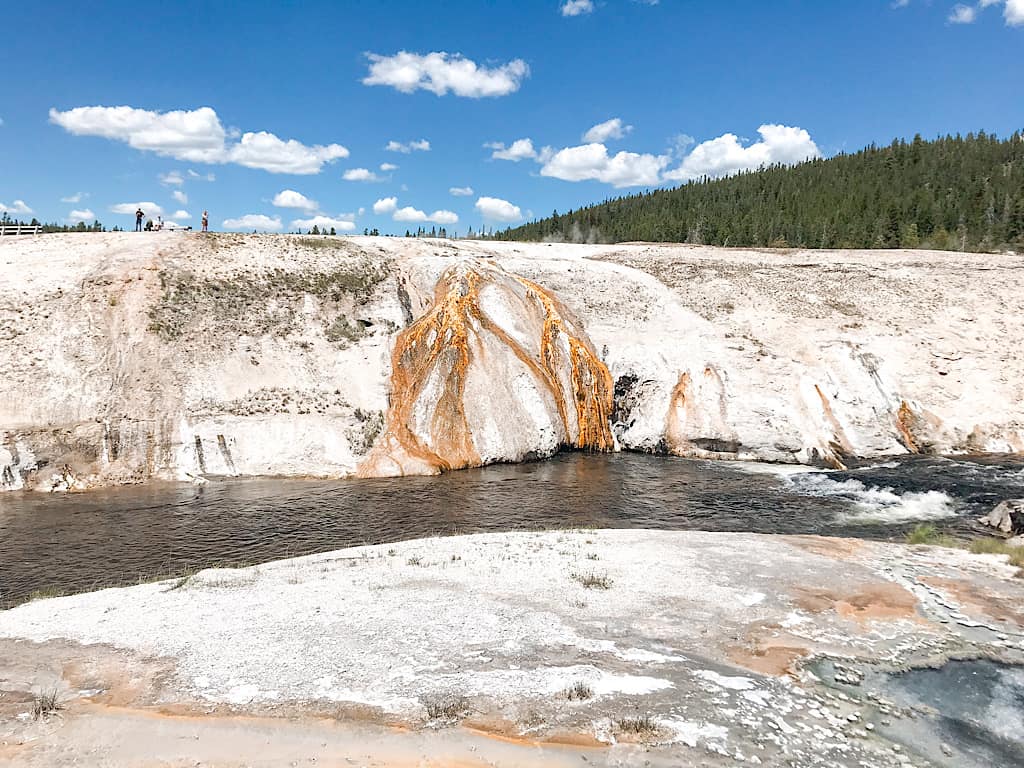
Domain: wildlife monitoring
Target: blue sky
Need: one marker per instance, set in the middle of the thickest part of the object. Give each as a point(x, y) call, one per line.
point(258, 111)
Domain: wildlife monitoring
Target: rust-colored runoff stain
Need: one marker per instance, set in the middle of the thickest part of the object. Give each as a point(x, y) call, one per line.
point(977, 600)
point(875, 601)
point(905, 420)
point(840, 444)
point(768, 658)
point(440, 347)
point(837, 549)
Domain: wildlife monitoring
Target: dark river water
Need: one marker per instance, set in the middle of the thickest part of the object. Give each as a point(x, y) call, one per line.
point(76, 542)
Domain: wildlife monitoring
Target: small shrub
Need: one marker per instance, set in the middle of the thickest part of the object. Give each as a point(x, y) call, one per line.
point(926, 533)
point(414, 560)
point(592, 580)
point(46, 704)
point(579, 691)
point(592, 556)
point(447, 708)
point(642, 725)
point(991, 546)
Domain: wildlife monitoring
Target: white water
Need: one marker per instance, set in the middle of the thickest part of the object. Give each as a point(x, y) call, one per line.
point(875, 504)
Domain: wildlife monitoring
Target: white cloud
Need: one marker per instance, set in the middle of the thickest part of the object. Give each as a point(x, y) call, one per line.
point(460, 191)
point(496, 209)
point(779, 144)
point(609, 129)
point(441, 73)
point(360, 174)
point(181, 215)
point(410, 214)
point(388, 167)
point(201, 176)
point(385, 205)
point(591, 161)
point(962, 14)
point(1, 122)
point(521, 149)
point(85, 215)
point(256, 221)
point(171, 179)
point(17, 207)
point(324, 223)
point(180, 196)
point(75, 198)
point(1014, 13)
point(289, 198)
point(421, 145)
point(150, 209)
point(197, 136)
point(577, 7)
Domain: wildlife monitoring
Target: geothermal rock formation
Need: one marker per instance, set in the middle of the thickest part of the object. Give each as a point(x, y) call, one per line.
point(129, 357)
point(497, 370)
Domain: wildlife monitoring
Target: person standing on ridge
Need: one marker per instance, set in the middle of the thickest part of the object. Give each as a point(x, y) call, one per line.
point(138, 219)
point(206, 220)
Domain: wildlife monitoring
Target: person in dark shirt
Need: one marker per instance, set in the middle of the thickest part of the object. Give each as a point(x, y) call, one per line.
point(206, 220)
point(138, 219)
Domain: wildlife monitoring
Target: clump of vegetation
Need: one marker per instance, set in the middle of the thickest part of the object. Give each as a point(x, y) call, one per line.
point(344, 332)
point(447, 707)
point(46, 704)
point(579, 691)
point(926, 533)
point(323, 242)
point(592, 580)
point(992, 546)
point(414, 560)
point(44, 593)
point(641, 726)
point(254, 304)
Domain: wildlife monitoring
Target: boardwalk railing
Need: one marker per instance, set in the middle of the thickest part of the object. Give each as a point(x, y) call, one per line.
point(19, 229)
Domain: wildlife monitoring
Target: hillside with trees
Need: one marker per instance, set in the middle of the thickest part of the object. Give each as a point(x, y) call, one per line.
point(959, 193)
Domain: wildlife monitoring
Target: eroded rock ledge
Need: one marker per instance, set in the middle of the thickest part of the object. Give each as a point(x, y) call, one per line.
point(181, 356)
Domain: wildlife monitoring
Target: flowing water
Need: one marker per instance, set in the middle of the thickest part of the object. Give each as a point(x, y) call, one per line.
point(76, 542)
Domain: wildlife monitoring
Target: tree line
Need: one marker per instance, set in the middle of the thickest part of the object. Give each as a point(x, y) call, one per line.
point(955, 192)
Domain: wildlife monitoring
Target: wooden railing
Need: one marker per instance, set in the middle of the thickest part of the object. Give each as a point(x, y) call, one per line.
point(19, 229)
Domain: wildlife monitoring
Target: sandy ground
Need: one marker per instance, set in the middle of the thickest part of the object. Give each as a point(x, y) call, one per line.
point(461, 651)
point(127, 357)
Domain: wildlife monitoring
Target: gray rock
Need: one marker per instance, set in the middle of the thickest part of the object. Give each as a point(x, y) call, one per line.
point(1007, 516)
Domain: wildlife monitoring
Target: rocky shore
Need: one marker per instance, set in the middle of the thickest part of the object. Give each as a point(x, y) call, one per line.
point(617, 647)
point(131, 357)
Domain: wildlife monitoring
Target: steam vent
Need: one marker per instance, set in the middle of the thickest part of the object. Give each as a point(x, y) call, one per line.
point(497, 370)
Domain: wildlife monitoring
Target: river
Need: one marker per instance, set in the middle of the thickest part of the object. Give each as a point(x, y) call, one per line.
point(76, 542)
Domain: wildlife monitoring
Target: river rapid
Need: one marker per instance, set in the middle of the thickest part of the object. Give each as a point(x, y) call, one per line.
point(73, 542)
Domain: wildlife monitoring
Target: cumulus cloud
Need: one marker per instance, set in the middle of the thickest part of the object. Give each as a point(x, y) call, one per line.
point(496, 209)
point(360, 174)
point(385, 205)
point(17, 207)
point(76, 216)
point(577, 7)
point(289, 198)
point(75, 198)
point(180, 196)
point(460, 191)
point(196, 136)
point(592, 161)
point(324, 223)
point(256, 221)
point(151, 209)
point(779, 144)
point(520, 149)
point(181, 215)
point(1014, 13)
point(442, 73)
point(421, 145)
point(410, 214)
point(171, 179)
point(609, 129)
point(962, 14)
point(388, 167)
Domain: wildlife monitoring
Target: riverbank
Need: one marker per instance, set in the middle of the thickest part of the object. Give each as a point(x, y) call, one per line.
point(181, 356)
point(701, 647)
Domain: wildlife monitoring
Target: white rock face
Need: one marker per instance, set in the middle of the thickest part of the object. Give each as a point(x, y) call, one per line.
point(126, 357)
